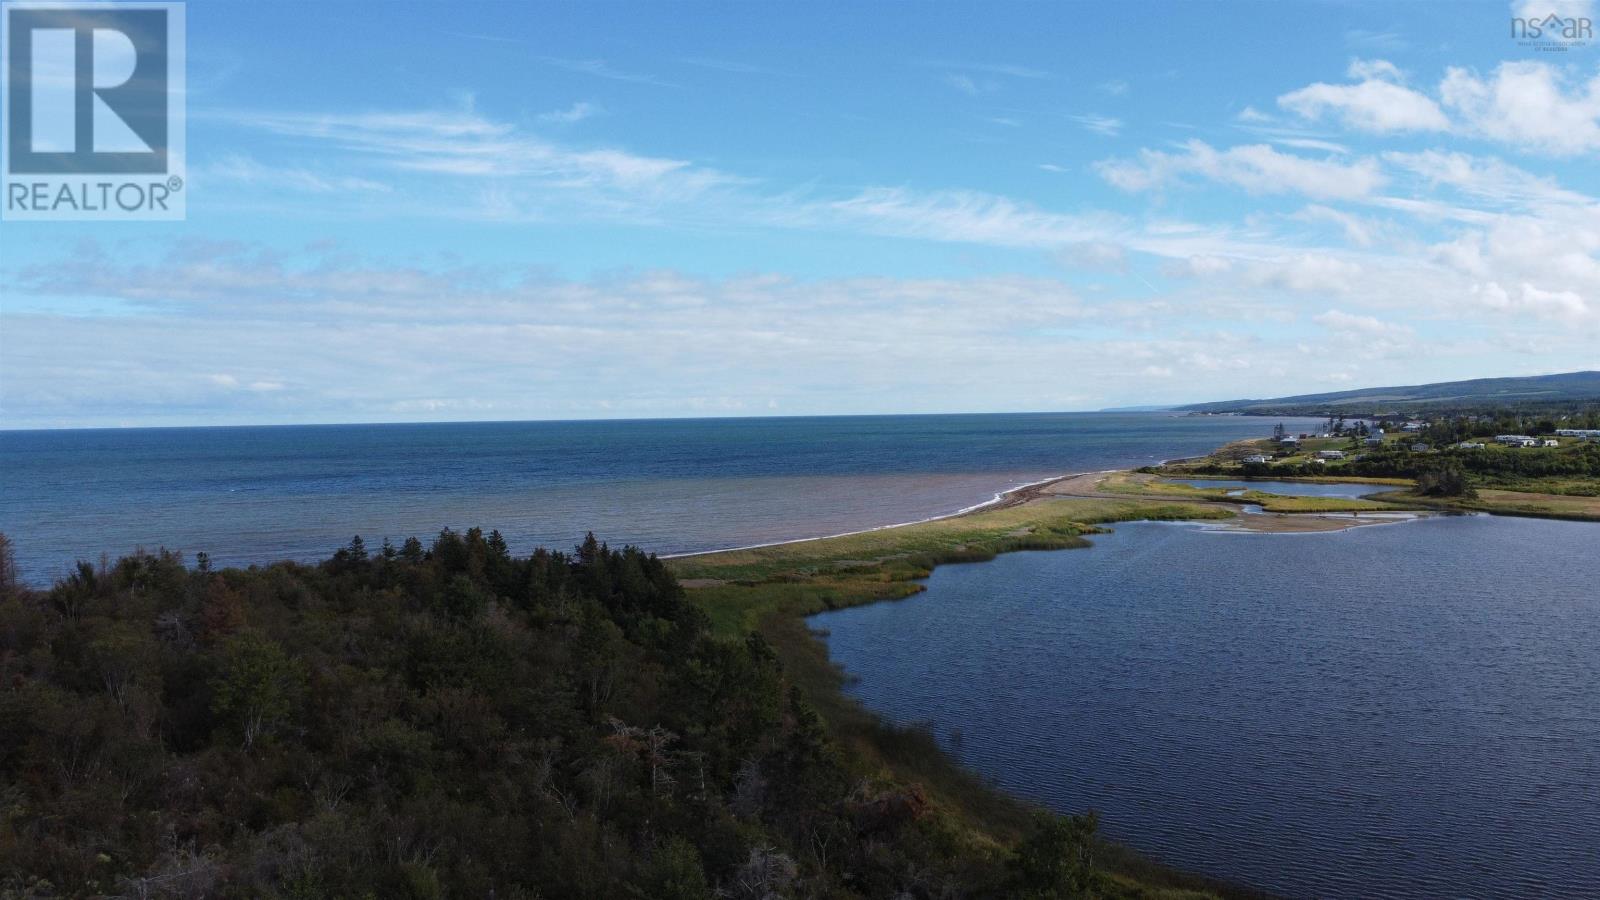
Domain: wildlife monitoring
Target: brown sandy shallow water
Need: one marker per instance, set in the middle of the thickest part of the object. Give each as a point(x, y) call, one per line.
point(1088, 486)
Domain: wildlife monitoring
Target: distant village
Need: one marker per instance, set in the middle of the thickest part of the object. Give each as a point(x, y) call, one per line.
point(1343, 439)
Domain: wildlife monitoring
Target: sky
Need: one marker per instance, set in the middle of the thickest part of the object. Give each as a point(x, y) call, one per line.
point(497, 210)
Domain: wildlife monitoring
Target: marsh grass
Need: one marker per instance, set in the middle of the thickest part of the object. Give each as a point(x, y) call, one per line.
point(771, 589)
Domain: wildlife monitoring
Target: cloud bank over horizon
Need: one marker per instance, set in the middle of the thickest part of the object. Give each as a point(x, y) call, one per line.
point(694, 234)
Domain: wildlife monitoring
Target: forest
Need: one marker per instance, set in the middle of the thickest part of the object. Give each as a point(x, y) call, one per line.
point(446, 720)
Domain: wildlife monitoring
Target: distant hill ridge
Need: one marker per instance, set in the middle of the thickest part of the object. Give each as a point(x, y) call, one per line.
point(1568, 390)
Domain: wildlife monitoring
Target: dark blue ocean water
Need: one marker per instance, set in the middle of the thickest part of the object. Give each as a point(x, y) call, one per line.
point(1407, 710)
point(251, 495)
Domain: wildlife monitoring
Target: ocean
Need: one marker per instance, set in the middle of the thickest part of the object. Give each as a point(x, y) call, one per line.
point(256, 495)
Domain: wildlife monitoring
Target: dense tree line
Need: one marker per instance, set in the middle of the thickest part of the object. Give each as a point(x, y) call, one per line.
point(447, 720)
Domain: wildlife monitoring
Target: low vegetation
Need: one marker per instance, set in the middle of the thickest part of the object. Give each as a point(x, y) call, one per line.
point(769, 590)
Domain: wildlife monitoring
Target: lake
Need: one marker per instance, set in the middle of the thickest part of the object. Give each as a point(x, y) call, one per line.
point(1394, 711)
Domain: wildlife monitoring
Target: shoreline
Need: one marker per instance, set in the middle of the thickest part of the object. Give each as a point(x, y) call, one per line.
point(772, 588)
point(1029, 492)
point(998, 501)
point(1014, 496)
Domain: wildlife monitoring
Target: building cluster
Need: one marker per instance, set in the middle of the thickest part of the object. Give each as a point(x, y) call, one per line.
point(1291, 443)
point(1523, 440)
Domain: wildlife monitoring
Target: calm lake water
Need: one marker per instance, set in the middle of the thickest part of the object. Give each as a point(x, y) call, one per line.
point(254, 495)
point(1408, 710)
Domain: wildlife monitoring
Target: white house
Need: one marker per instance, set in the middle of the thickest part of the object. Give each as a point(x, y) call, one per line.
point(1515, 440)
point(1258, 459)
point(1552, 442)
point(1330, 454)
point(1471, 445)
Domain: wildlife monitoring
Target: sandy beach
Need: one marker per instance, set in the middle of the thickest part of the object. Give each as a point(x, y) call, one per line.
point(1090, 486)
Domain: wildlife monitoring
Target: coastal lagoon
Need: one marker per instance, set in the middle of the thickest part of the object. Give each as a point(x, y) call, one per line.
point(1343, 490)
point(1397, 711)
point(256, 495)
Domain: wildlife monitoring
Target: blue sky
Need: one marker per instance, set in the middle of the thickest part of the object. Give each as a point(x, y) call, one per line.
point(503, 210)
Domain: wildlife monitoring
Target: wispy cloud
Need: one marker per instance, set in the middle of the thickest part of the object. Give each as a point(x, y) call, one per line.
point(968, 85)
point(467, 145)
point(577, 112)
point(737, 67)
point(599, 68)
point(243, 169)
point(1102, 125)
point(1255, 168)
point(1389, 41)
point(1009, 70)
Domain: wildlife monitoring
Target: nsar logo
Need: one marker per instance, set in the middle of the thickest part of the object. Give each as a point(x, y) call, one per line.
point(1552, 33)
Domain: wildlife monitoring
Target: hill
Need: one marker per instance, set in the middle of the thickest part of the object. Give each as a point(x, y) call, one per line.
point(1552, 393)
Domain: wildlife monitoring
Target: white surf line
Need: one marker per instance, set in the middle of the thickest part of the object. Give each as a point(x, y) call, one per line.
point(997, 498)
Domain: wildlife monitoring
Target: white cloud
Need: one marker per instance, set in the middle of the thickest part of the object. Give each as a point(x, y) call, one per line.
point(1526, 299)
point(577, 112)
point(1378, 102)
point(1357, 230)
point(1300, 143)
point(245, 170)
point(1096, 255)
point(601, 69)
point(1566, 9)
point(1309, 273)
point(1256, 168)
point(1103, 125)
point(1485, 179)
point(1197, 267)
point(1365, 69)
point(1367, 326)
point(968, 85)
point(966, 216)
point(518, 171)
point(1531, 105)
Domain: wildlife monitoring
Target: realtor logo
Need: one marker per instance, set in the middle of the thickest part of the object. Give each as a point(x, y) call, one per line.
point(94, 110)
